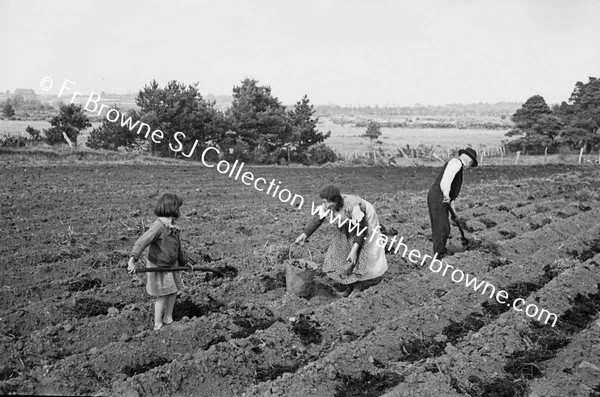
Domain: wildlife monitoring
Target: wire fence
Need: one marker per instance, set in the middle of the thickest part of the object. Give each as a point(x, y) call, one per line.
point(423, 154)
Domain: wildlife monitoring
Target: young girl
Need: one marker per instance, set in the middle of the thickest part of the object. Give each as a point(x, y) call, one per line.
point(165, 251)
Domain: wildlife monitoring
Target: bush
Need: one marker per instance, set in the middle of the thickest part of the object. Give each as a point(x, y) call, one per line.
point(320, 153)
point(113, 135)
point(13, 141)
point(279, 156)
point(35, 134)
point(54, 136)
point(532, 145)
point(241, 151)
point(260, 155)
point(70, 121)
point(563, 153)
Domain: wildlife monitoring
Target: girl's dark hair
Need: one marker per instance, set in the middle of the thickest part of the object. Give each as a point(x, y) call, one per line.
point(331, 193)
point(168, 205)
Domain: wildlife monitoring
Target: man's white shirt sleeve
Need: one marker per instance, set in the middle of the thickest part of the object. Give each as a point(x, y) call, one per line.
point(452, 169)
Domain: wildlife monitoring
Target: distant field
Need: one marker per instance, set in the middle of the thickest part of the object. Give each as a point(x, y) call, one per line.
point(17, 127)
point(347, 138)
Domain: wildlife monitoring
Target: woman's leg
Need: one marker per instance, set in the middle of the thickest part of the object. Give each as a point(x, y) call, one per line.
point(356, 288)
point(343, 293)
point(168, 318)
point(159, 308)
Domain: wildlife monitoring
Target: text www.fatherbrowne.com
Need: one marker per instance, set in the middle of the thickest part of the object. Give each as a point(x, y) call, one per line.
point(436, 265)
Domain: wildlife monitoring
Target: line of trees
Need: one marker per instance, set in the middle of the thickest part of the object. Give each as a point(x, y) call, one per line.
point(257, 127)
point(574, 124)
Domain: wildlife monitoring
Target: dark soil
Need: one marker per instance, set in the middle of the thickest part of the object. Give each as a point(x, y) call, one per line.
point(74, 322)
point(368, 385)
point(307, 329)
point(188, 308)
point(250, 324)
point(85, 284)
point(271, 283)
point(272, 372)
point(90, 307)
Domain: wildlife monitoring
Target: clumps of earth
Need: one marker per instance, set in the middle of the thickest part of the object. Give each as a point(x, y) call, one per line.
point(74, 322)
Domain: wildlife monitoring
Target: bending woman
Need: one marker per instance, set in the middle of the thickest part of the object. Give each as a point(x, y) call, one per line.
point(353, 255)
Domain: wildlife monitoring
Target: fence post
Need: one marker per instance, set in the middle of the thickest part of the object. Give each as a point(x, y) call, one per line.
point(545, 153)
point(68, 141)
point(517, 158)
point(580, 155)
point(403, 153)
point(481, 159)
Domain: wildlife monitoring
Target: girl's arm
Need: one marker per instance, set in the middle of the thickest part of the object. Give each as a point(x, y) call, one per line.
point(145, 240)
point(141, 243)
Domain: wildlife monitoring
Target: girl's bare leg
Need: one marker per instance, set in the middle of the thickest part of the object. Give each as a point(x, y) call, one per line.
point(159, 309)
point(168, 318)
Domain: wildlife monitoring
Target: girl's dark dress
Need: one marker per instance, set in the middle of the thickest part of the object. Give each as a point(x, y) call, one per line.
point(165, 251)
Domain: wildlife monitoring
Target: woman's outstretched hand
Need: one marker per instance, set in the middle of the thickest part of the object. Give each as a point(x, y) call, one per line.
point(352, 256)
point(301, 239)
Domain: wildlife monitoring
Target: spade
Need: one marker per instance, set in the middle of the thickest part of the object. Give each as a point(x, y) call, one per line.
point(463, 239)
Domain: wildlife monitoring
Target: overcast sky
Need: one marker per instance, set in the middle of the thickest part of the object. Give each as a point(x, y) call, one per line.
point(347, 52)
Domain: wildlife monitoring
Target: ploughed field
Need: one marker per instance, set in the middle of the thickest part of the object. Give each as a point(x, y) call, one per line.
point(74, 322)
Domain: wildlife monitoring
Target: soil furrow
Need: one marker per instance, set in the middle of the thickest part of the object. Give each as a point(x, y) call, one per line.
point(529, 226)
point(396, 350)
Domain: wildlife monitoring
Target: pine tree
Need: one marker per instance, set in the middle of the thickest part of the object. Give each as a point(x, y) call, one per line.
point(305, 133)
point(373, 131)
point(67, 125)
point(8, 110)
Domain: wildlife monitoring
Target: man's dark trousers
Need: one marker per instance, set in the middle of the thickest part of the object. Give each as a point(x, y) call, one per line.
point(438, 215)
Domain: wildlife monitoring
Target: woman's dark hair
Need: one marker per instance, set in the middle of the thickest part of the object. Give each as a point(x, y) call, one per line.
point(168, 205)
point(332, 193)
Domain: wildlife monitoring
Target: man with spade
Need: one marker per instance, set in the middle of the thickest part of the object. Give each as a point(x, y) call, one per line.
point(441, 196)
